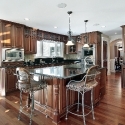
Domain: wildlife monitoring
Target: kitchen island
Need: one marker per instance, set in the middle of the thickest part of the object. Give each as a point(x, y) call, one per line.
point(57, 77)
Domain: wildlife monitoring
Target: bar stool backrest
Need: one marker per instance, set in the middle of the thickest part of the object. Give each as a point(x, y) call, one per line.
point(91, 74)
point(23, 76)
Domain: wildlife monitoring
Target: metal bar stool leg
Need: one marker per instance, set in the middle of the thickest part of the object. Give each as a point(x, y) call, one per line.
point(92, 103)
point(83, 112)
point(20, 110)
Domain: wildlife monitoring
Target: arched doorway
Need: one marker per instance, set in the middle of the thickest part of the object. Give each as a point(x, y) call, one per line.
point(116, 55)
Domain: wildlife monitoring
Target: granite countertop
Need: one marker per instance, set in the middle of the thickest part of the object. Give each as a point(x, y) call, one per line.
point(62, 72)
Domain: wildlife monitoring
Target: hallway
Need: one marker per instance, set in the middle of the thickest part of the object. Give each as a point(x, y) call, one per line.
point(110, 111)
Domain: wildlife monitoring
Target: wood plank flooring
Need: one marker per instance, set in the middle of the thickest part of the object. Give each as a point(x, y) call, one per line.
point(110, 111)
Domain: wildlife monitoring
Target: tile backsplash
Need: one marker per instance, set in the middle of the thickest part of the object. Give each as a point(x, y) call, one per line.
point(71, 56)
point(28, 57)
point(66, 56)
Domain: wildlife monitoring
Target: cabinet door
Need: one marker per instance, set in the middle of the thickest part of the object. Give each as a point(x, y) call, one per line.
point(72, 49)
point(19, 33)
point(7, 34)
point(33, 44)
point(30, 42)
point(10, 80)
point(82, 38)
point(27, 44)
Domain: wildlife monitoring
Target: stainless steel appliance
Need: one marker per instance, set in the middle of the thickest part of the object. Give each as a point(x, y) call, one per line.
point(15, 54)
point(88, 54)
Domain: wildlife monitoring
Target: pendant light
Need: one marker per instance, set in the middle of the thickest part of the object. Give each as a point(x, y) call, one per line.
point(86, 45)
point(69, 43)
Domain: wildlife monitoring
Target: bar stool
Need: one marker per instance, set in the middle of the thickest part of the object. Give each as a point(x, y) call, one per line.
point(27, 84)
point(87, 83)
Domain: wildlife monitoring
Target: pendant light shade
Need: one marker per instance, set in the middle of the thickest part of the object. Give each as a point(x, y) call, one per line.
point(70, 42)
point(86, 45)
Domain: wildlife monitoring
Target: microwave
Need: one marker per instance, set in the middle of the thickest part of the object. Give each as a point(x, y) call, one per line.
point(14, 54)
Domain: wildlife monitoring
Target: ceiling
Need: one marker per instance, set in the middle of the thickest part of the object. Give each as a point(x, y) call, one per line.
point(45, 14)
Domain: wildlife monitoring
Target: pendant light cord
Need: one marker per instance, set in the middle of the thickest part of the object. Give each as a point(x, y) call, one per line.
point(86, 37)
point(69, 12)
point(69, 25)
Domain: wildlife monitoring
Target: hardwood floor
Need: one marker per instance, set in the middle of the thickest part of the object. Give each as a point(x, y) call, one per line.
point(110, 111)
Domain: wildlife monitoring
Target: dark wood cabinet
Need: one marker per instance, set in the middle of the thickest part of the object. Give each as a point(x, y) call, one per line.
point(30, 41)
point(104, 54)
point(98, 49)
point(103, 78)
point(10, 80)
point(46, 35)
point(7, 33)
point(12, 34)
point(99, 90)
point(19, 36)
point(39, 34)
point(63, 39)
point(82, 38)
point(74, 49)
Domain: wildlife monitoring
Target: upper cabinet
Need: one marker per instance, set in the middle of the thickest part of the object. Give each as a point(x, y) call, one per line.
point(73, 49)
point(92, 37)
point(19, 36)
point(51, 36)
point(11, 34)
point(30, 40)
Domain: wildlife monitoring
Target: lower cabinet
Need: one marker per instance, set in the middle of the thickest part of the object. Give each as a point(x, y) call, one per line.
point(10, 80)
point(99, 90)
point(56, 94)
point(123, 77)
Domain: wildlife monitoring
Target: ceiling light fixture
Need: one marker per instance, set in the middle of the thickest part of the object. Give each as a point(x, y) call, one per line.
point(62, 5)
point(70, 40)
point(86, 45)
point(55, 27)
point(26, 19)
point(120, 48)
point(103, 26)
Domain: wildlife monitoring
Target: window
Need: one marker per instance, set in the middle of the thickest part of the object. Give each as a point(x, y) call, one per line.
point(49, 48)
point(52, 49)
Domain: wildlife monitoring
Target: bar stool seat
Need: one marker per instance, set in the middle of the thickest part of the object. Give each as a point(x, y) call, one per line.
point(27, 84)
point(87, 83)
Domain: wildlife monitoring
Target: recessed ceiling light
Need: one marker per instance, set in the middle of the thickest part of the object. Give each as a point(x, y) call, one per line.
point(55, 27)
point(103, 26)
point(62, 5)
point(26, 19)
point(115, 33)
